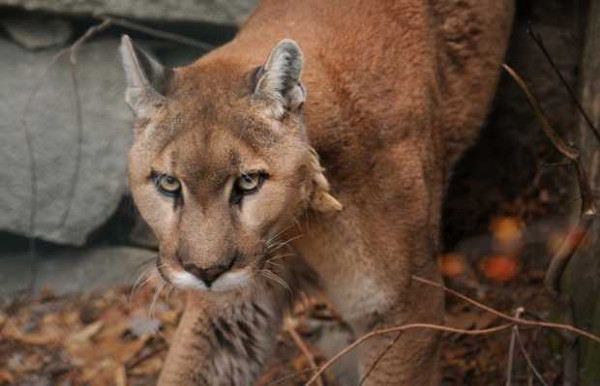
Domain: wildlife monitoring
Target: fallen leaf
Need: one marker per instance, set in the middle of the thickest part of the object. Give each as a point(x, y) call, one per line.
point(87, 333)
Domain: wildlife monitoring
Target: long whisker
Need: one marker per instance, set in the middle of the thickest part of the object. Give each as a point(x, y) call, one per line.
point(280, 256)
point(157, 292)
point(141, 281)
point(275, 264)
point(277, 279)
point(284, 243)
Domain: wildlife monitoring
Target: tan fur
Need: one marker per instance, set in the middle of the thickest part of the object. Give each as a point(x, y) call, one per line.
point(388, 94)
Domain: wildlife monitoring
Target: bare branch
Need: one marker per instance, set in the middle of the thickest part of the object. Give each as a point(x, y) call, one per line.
point(537, 38)
point(405, 327)
point(286, 378)
point(588, 212)
point(528, 359)
point(511, 348)
point(291, 329)
point(158, 33)
point(389, 346)
point(523, 322)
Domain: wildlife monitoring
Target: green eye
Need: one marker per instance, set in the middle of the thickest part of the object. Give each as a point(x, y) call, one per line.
point(166, 184)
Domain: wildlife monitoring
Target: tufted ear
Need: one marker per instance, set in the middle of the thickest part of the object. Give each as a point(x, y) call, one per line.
point(147, 79)
point(278, 80)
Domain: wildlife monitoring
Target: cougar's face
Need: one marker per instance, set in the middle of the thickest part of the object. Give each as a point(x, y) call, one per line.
point(217, 198)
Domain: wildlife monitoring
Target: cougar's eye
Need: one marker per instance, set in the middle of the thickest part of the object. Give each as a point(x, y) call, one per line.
point(247, 183)
point(166, 184)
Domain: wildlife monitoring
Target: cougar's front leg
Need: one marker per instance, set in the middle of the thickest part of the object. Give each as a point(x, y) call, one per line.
point(222, 341)
point(409, 357)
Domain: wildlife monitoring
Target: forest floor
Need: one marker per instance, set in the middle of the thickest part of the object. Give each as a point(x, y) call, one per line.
point(120, 338)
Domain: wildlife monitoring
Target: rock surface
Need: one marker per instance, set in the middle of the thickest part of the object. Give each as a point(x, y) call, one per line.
point(52, 120)
point(230, 12)
point(69, 270)
point(36, 31)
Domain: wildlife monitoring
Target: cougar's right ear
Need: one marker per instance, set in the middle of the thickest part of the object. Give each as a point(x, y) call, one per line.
point(147, 79)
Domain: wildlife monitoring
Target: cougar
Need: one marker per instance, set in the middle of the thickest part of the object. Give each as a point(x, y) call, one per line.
point(312, 149)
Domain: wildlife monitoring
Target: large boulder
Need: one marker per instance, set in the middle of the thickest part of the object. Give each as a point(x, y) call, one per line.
point(230, 12)
point(64, 215)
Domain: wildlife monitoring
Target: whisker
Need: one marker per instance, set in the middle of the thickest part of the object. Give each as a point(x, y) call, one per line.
point(287, 242)
point(275, 264)
point(280, 256)
point(157, 292)
point(141, 281)
point(277, 279)
point(280, 232)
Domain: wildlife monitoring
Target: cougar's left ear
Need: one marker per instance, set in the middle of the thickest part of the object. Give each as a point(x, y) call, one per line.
point(278, 80)
point(321, 199)
point(147, 79)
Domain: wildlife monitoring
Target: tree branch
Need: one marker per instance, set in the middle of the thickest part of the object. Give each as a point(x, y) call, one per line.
point(588, 211)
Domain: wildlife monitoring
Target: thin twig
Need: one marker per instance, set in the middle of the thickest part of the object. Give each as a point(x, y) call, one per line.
point(512, 322)
point(380, 357)
point(291, 329)
point(288, 377)
point(511, 348)
point(405, 327)
point(537, 38)
point(92, 31)
point(588, 212)
point(523, 322)
point(158, 33)
point(31, 154)
point(538, 375)
point(79, 122)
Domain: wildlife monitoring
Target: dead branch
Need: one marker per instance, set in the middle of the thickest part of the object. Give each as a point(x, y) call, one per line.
point(537, 38)
point(528, 359)
point(288, 377)
point(29, 143)
point(380, 357)
point(289, 326)
point(588, 211)
point(511, 348)
point(158, 33)
point(405, 327)
point(523, 322)
point(513, 321)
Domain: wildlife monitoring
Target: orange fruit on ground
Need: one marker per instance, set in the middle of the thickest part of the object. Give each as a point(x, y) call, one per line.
point(452, 264)
point(499, 268)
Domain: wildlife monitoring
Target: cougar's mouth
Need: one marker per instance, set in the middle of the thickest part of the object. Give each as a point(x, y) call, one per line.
point(227, 281)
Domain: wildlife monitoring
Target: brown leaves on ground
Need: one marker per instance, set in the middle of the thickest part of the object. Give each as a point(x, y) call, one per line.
point(110, 338)
point(104, 339)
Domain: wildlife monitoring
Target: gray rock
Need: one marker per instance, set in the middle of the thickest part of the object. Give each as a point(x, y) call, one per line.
point(230, 12)
point(52, 121)
point(70, 270)
point(35, 31)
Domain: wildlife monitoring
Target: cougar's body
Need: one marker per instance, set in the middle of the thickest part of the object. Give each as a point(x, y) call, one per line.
point(389, 94)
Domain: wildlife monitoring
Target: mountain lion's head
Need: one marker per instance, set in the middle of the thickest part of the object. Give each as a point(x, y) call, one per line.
point(220, 163)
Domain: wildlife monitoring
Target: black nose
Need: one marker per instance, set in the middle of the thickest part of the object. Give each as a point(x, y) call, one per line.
point(207, 275)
